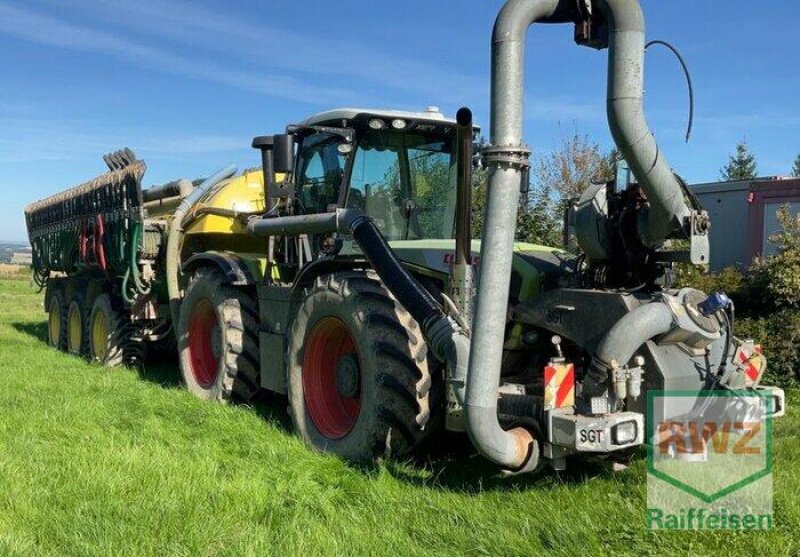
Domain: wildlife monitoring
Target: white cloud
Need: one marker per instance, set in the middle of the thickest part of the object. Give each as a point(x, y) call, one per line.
point(288, 50)
point(44, 29)
point(33, 139)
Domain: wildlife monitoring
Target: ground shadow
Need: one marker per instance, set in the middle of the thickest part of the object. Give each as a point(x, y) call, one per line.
point(161, 369)
point(453, 464)
point(35, 330)
point(164, 369)
point(447, 462)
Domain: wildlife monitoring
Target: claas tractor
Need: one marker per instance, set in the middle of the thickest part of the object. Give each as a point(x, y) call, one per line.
point(341, 274)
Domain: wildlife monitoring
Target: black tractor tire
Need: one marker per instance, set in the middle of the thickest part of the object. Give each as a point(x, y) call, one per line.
point(77, 330)
point(349, 319)
point(218, 338)
point(109, 333)
point(57, 320)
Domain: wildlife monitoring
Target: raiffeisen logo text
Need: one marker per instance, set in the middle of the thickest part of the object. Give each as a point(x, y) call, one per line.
point(709, 461)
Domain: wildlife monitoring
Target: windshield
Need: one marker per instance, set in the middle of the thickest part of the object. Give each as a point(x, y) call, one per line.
point(406, 183)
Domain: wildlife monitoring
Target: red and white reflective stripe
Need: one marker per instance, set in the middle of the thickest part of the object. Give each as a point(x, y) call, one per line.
point(752, 370)
point(559, 385)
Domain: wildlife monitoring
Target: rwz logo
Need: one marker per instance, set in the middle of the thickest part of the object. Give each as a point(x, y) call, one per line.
point(693, 437)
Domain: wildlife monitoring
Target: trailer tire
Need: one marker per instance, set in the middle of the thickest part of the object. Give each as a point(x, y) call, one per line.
point(349, 325)
point(57, 320)
point(218, 338)
point(108, 333)
point(77, 337)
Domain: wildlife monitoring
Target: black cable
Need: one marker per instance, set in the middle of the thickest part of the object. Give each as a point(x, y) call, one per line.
point(726, 349)
point(688, 81)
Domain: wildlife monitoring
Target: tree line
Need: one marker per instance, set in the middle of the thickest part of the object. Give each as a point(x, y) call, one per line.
point(557, 178)
point(742, 165)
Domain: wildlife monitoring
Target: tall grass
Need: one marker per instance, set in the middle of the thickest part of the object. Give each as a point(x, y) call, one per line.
point(120, 462)
point(14, 272)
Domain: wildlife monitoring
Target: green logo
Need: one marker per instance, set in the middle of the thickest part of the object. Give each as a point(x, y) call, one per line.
point(709, 459)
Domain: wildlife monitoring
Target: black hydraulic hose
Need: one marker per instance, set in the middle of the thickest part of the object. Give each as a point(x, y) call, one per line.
point(723, 364)
point(409, 292)
point(688, 81)
point(444, 339)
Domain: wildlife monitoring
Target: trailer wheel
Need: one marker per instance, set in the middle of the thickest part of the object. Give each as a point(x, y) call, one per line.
point(77, 337)
point(359, 379)
point(56, 321)
point(107, 333)
point(218, 338)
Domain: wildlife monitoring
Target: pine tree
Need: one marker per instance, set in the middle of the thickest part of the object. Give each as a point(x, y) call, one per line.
point(741, 165)
point(796, 167)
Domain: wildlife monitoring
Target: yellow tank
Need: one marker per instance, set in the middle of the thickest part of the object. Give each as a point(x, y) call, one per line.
point(242, 194)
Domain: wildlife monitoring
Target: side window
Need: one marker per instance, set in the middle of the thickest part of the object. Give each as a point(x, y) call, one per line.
point(322, 168)
point(433, 184)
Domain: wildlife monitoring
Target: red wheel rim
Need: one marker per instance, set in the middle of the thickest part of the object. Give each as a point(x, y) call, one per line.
point(333, 414)
point(203, 340)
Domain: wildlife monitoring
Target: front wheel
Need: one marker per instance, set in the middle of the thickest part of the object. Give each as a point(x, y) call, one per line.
point(218, 338)
point(359, 378)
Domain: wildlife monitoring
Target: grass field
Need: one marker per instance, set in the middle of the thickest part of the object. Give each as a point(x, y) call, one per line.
point(116, 462)
point(17, 272)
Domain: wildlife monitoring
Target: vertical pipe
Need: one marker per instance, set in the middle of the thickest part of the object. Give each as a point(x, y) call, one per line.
point(464, 133)
point(267, 163)
point(507, 159)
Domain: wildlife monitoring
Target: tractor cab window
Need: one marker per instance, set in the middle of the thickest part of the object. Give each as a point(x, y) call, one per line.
point(321, 171)
point(406, 184)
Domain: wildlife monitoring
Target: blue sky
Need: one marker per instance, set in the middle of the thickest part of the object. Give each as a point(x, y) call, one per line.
point(187, 84)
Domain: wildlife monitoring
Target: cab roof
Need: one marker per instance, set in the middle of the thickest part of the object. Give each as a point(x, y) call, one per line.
point(335, 117)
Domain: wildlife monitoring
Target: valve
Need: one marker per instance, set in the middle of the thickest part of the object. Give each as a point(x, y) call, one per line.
point(714, 303)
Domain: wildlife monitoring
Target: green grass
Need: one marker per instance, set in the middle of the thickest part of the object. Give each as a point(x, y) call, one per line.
point(99, 462)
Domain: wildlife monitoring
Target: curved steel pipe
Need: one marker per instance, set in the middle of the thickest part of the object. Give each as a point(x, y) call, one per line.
point(175, 237)
point(626, 119)
point(507, 160)
point(623, 340)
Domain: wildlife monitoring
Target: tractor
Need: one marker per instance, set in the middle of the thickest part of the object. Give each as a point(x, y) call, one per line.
point(341, 273)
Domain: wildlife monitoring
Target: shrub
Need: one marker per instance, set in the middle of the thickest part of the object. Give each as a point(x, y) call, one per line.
point(783, 269)
point(767, 300)
point(779, 334)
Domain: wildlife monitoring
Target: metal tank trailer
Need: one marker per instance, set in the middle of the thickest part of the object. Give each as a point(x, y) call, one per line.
point(342, 274)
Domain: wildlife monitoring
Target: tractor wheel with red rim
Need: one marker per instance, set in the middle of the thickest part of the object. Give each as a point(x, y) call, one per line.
point(359, 379)
point(218, 338)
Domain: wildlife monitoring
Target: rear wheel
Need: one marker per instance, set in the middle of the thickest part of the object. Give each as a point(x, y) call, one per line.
point(218, 338)
point(106, 333)
point(56, 321)
point(359, 378)
point(77, 338)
